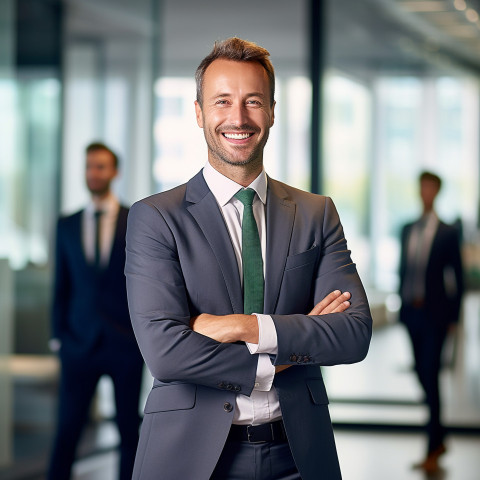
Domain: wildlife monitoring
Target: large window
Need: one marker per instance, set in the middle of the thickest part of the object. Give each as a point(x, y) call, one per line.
point(188, 31)
point(378, 137)
point(347, 134)
point(180, 149)
point(29, 120)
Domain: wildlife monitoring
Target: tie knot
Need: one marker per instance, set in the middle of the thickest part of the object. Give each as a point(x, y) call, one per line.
point(246, 196)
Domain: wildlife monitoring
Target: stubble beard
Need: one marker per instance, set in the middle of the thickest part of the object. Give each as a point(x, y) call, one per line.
point(99, 191)
point(223, 156)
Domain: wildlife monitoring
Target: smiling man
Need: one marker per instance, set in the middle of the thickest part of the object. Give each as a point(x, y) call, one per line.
point(240, 287)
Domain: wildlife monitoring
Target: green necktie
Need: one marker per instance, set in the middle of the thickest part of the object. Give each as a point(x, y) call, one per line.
point(251, 256)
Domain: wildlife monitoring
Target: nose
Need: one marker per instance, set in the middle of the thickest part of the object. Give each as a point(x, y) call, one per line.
point(238, 114)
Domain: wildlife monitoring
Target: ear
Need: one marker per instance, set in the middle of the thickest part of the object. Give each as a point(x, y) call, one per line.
point(273, 114)
point(198, 112)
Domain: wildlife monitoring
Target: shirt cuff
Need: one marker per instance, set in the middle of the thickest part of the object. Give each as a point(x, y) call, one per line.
point(265, 373)
point(267, 336)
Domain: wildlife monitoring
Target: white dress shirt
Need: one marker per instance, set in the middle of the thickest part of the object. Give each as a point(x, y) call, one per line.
point(262, 406)
point(108, 221)
point(418, 253)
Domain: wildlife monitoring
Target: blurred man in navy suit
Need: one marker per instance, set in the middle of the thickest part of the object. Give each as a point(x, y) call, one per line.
point(431, 287)
point(91, 324)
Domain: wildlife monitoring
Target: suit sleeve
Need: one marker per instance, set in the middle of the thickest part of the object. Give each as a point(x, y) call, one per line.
point(61, 286)
point(337, 338)
point(455, 262)
point(159, 309)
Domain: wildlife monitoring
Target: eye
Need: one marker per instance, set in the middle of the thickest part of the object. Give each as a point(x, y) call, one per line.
point(221, 102)
point(254, 103)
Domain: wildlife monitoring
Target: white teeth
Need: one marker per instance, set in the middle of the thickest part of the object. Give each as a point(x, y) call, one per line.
point(237, 136)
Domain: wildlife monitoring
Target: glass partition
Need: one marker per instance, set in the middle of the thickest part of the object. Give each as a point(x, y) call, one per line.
point(179, 148)
point(398, 101)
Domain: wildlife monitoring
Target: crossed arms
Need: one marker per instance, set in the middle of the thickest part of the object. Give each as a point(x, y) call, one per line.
point(172, 273)
point(244, 328)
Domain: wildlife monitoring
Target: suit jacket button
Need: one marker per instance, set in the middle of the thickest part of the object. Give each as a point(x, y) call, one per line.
point(237, 388)
point(221, 385)
point(229, 386)
point(227, 407)
point(293, 358)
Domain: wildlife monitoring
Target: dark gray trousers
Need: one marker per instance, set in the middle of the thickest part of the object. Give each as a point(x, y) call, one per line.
point(256, 461)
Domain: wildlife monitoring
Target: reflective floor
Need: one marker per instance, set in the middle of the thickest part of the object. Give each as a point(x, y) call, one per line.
point(383, 390)
point(363, 456)
point(375, 406)
point(387, 456)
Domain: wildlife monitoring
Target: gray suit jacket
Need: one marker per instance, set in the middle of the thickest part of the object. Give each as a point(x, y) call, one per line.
point(180, 263)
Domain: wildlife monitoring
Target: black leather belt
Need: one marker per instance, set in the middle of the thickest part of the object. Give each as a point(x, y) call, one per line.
point(267, 432)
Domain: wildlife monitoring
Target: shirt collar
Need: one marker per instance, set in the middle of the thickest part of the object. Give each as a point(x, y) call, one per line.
point(223, 188)
point(108, 205)
point(429, 217)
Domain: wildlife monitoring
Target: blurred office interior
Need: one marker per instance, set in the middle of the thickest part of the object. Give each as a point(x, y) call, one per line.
point(369, 93)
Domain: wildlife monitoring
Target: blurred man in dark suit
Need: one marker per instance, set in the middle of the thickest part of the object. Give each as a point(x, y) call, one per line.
point(91, 323)
point(431, 287)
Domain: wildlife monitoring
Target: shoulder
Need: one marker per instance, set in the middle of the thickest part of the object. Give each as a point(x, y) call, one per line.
point(123, 212)
point(177, 198)
point(306, 204)
point(156, 210)
point(164, 201)
point(407, 227)
point(296, 195)
point(446, 231)
point(311, 210)
point(66, 221)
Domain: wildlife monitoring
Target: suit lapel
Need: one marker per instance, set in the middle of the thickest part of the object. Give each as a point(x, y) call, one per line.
point(118, 243)
point(76, 235)
point(204, 209)
point(280, 214)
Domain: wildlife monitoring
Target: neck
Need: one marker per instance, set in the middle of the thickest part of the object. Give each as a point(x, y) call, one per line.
point(244, 175)
point(99, 197)
point(427, 210)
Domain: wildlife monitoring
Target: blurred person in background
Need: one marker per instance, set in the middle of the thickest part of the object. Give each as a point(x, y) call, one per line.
point(431, 287)
point(91, 324)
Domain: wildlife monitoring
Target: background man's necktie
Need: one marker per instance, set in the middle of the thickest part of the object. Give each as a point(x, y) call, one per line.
point(98, 215)
point(251, 256)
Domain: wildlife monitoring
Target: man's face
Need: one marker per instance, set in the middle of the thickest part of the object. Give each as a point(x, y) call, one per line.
point(428, 192)
point(236, 115)
point(100, 171)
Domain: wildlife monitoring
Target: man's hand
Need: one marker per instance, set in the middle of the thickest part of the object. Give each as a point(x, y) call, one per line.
point(334, 302)
point(244, 328)
point(227, 328)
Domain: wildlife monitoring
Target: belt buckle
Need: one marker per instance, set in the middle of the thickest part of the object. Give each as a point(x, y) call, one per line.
point(249, 436)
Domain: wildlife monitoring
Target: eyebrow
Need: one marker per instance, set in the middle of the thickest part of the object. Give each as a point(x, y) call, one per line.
point(252, 94)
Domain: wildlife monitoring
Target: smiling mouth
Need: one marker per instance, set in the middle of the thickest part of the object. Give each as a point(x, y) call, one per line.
point(237, 136)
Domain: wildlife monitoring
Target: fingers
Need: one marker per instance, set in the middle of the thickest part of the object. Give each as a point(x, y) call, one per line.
point(334, 302)
point(344, 303)
point(320, 306)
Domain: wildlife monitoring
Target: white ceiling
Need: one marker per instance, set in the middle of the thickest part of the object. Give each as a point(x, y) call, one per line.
point(363, 37)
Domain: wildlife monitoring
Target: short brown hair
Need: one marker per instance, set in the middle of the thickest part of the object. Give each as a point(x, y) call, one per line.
point(239, 50)
point(431, 177)
point(95, 146)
